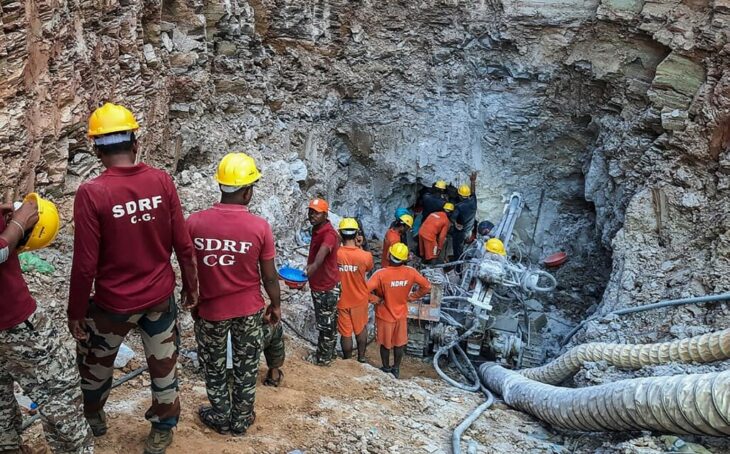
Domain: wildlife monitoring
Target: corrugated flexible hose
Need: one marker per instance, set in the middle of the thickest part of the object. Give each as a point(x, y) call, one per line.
point(699, 349)
point(681, 404)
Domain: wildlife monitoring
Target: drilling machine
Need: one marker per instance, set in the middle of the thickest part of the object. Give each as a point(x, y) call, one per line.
point(486, 306)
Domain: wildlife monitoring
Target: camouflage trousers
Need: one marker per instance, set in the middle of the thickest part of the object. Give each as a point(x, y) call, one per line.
point(33, 355)
point(325, 313)
point(273, 345)
point(232, 405)
point(160, 339)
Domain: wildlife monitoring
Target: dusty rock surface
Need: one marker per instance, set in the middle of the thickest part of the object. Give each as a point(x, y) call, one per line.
point(618, 109)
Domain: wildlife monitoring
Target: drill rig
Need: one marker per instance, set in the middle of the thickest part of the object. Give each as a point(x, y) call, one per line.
point(483, 314)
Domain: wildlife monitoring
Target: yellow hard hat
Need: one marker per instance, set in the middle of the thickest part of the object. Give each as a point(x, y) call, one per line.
point(407, 219)
point(46, 229)
point(237, 169)
point(399, 252)
point(349, 224)
point(495, 246)
point(464, 190)
point(448, 207)
point(111, 118)
point(440, 184)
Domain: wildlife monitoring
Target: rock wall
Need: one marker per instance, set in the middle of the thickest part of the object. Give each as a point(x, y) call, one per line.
point(618, 109)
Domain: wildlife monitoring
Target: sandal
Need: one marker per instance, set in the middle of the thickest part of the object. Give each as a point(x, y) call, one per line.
point(271, 381)
point(210, 418)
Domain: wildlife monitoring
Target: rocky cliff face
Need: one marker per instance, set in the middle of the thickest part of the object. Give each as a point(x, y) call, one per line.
point(618, 109)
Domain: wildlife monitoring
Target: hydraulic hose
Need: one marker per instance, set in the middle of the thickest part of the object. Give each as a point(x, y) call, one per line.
point(698, 349)
point(461, 428)
point(121, 380)
point(649, 307)
point(681, 404)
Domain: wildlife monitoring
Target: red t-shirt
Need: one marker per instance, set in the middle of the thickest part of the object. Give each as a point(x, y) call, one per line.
point(127, 222)
point(354, 263)
point(394, 285)
point(327, 275)
point(16, 304)
point(391, 237)
point(229, 243)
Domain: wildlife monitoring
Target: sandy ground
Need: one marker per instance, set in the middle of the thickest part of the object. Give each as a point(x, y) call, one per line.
point(347, 407)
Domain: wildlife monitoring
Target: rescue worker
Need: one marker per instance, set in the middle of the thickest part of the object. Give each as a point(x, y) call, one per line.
point(434, 200)
point(353, 308)
point(324, 280)
point(30, 351)
point(235, 255)
point(360, 239)
point(464, 216)
point(393, 285)
point(495, 246)
point(432, 236)
point(485, 228)
point(274, 352)
point(395, 235)
point(128, 220)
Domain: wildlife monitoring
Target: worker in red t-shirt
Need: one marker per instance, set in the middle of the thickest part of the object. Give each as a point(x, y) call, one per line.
point(324, 280)
point(353, 307)
point(394, 235)
point(31, 351)
point(432, 234)
point(128, 221)
point(394, 285)
point(235, 252)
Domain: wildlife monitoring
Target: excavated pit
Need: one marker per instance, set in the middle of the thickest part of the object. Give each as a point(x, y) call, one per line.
point(618, 110)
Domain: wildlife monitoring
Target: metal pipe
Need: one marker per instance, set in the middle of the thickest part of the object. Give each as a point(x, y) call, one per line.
point(698, 349)
point(444, 265)
point(649, 307)
point(681, 404)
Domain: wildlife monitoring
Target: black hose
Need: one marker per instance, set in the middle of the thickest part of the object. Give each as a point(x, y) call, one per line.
point(123, 379)
point(299, 335)
point(461, 428)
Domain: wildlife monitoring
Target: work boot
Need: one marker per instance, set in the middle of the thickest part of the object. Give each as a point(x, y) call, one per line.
point(241, 431)
point(213, 419)
point(395, 371)
point(157, 441)
point(97, 422)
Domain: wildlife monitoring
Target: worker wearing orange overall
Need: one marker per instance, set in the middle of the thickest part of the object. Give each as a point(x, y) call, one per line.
point(394, 235)
point(432, 234)
point(353, 307)
point(393, 286)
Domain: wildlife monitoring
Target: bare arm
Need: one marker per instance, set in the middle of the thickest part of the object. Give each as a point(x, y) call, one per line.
point(22, 220)
point(322, 254)
point(271, 285)
point(424, 287)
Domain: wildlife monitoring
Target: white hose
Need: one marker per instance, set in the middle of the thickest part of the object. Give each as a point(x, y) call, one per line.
point(698, 349)
point(682, 404)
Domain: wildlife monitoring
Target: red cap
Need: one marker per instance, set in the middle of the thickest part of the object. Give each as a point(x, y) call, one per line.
point(319, 205)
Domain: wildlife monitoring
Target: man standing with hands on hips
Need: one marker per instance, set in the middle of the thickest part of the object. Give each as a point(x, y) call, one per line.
point(324, 280)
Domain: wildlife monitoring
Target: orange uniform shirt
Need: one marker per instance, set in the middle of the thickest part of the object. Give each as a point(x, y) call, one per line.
point(391, 237)
point(353, 263)
point(394, 285)
point(435, 228)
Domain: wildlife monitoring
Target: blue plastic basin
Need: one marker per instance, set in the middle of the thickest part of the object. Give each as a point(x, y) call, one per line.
point(292, 274)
